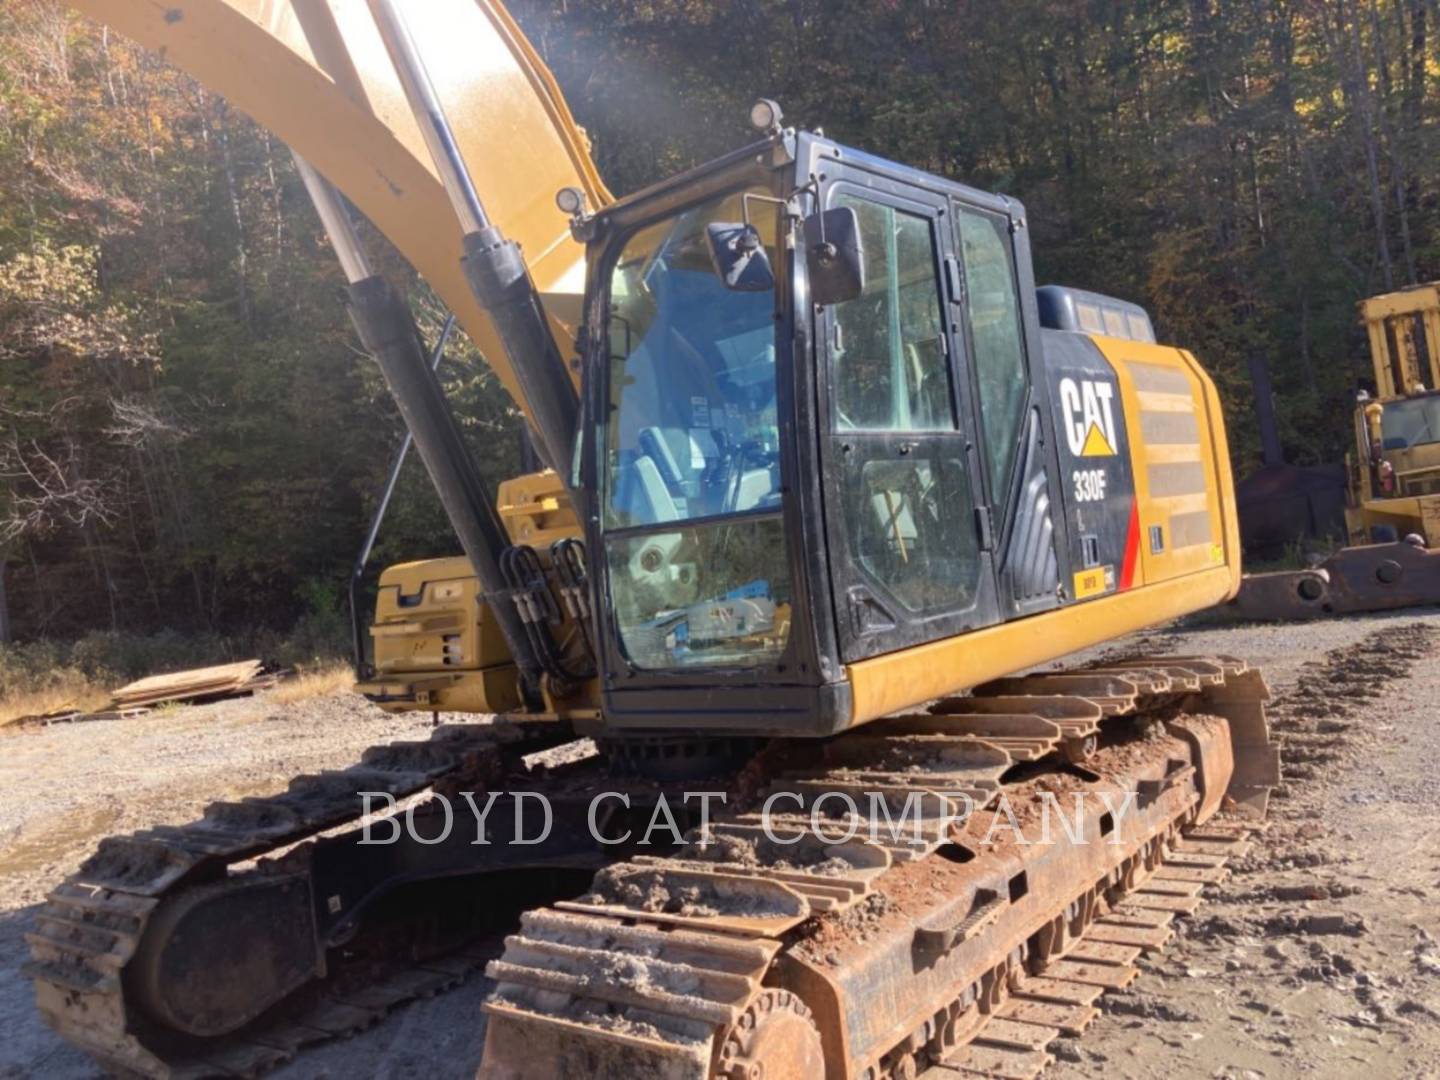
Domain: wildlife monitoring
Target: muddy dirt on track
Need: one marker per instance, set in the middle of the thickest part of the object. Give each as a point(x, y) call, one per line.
point(1320, 957)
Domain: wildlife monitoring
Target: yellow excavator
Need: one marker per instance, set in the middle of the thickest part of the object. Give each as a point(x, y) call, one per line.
point(827, 479)
point(1392, 498)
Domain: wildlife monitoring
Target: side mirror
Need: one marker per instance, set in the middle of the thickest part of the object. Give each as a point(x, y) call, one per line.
point(834, 256)
point(739, 257)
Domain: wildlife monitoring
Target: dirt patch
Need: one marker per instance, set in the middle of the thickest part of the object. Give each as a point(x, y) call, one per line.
point(674, 892)
point(863, 922)
point(806, 855)
point(1317, 959)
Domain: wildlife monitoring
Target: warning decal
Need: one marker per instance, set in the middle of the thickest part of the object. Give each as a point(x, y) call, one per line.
point(1094, 582)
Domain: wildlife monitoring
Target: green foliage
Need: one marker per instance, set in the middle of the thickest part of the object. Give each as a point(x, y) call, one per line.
point(190, 436)
point(191, 439)
point(51, 302)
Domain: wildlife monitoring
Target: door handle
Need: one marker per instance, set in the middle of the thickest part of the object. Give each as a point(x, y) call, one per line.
point(985, 528)
point(954, 283)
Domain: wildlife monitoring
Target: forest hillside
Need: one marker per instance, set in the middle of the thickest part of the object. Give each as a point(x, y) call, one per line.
point(191, 439)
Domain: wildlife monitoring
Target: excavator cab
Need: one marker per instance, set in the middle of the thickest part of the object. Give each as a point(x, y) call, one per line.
point(780, 488)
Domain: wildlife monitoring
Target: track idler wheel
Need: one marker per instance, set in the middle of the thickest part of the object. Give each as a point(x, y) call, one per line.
point(214, 958)
point(774, 1039)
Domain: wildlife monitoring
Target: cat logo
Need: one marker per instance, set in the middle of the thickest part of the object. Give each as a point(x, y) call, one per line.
point(1089, 417)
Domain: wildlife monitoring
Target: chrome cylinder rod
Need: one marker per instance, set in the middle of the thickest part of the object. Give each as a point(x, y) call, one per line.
point(494, 264)
point(430, 114)
point(338, 227)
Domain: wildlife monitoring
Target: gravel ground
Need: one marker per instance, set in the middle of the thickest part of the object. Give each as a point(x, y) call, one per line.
point(1319, 958)
point(68, 785)
point(1242, 994)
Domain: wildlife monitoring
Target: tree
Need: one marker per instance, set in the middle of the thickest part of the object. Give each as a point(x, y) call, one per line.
point(190, 435)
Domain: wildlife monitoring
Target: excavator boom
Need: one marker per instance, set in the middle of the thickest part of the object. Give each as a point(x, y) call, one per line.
point(316, 73)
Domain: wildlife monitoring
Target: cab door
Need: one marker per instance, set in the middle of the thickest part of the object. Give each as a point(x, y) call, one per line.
point(906, 520)
point(1011, 390)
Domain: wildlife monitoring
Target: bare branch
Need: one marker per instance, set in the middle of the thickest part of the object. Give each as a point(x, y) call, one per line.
point(141, 425)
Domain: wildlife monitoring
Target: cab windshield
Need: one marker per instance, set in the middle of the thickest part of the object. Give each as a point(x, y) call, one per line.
point(691, 435)
point(1412, 422)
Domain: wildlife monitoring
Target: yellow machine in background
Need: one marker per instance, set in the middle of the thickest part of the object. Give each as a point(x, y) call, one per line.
point(1395, 469)
point(1392, 496)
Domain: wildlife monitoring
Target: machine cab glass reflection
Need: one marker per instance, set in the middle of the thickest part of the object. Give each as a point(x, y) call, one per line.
point(691, 436)
point(1412, 422)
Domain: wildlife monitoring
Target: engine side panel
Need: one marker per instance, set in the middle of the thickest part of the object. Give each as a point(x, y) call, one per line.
point(1142, 460)
point(1184, 485)
point(1158, 507)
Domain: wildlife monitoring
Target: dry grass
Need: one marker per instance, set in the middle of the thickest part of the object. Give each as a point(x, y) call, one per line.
point(333, 678)
point(77, 693)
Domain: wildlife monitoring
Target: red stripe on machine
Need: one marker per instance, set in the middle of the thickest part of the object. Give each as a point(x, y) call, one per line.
point(1132, 548)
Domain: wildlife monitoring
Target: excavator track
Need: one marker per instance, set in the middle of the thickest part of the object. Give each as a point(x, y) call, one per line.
point(884, 956)
point(741, 949)
point(90, 934)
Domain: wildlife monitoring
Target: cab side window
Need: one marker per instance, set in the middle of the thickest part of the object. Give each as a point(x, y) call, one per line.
point(892, 369)
point(993, 305)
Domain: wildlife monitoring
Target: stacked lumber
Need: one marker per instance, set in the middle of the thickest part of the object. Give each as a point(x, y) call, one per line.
point(224, 680)
point(198, 684)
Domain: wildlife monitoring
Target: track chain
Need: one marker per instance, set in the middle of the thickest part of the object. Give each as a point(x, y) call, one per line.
point(650, 972)
point(1012, 1041)
point(92, 924)
point(664, 956)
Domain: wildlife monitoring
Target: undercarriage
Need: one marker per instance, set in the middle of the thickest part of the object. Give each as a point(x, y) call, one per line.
point(945, 890)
